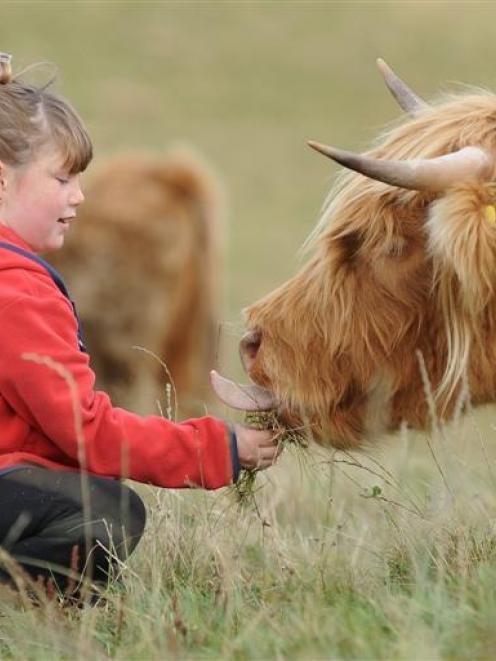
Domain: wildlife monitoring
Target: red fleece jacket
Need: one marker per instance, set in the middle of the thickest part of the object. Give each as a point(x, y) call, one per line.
point(49, 419)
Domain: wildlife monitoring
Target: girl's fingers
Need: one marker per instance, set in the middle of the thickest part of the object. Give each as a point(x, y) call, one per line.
point(265, 448)
point(266, 457)
point(270, 442)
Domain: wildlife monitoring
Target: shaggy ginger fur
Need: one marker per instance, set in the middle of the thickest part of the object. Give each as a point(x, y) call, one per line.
point(397, 280)
point(142, 265)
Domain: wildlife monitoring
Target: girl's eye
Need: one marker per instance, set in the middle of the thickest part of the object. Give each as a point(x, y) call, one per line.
point(62, 180)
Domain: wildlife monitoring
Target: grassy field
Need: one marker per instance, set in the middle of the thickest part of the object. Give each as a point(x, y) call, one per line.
point(339, 557)
point(391, 554)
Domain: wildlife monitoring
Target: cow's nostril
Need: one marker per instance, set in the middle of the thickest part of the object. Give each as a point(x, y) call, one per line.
point(249, 346)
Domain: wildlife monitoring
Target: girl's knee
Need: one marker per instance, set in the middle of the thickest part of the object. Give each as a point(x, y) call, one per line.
point(120, 518)
point(136, 518)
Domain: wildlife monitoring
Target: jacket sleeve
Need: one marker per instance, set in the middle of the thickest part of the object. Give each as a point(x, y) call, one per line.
point(48, 382)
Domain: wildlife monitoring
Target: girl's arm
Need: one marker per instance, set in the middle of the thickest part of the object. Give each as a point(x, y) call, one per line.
point(47, 382)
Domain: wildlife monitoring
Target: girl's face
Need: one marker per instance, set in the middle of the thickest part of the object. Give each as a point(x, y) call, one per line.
point(39, 200)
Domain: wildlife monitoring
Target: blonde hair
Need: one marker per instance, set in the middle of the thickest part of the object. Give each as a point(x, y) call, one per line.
point(32, 117)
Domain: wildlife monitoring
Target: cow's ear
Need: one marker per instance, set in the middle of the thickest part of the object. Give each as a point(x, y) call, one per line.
point(461, 228)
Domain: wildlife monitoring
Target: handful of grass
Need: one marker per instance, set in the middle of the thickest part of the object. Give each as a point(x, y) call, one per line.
point(245, 486)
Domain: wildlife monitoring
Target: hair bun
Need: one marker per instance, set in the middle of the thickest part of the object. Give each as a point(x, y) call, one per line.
point(5, 68)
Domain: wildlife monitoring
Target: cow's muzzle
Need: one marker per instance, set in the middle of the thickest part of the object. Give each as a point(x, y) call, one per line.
point(249, 397)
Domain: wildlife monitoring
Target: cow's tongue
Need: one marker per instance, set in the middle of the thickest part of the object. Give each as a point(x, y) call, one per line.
point(245, 398)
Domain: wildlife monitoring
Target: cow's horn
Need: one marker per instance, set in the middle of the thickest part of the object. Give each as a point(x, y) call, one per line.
point(406, 97)
point(244, 398)
point(434, 174)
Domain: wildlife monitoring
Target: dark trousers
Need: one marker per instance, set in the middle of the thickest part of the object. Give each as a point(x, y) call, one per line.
point(52, 530)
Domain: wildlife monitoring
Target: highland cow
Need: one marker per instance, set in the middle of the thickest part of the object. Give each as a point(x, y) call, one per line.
point(142, 268)
point(399, 292)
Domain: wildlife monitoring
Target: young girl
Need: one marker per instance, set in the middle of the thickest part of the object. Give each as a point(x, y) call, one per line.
point(62, 444)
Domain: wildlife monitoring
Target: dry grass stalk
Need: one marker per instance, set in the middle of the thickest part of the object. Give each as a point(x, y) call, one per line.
point(170, 388)
point(65, 374)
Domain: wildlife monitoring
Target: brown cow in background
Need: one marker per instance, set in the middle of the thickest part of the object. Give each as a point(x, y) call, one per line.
point(142, 267)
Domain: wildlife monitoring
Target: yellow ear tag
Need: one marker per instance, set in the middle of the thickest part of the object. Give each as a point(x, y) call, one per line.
point(490, 213)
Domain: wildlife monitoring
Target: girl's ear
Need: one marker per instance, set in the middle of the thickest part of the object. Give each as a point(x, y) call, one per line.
point(2, 178)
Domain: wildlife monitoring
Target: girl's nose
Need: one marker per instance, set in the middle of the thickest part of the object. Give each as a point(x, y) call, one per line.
point(77, 197)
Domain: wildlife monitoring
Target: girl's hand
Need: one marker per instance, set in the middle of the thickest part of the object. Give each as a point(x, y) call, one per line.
point(257, 449)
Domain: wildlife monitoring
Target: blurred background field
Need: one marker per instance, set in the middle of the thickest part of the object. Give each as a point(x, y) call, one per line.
point(246, 84)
